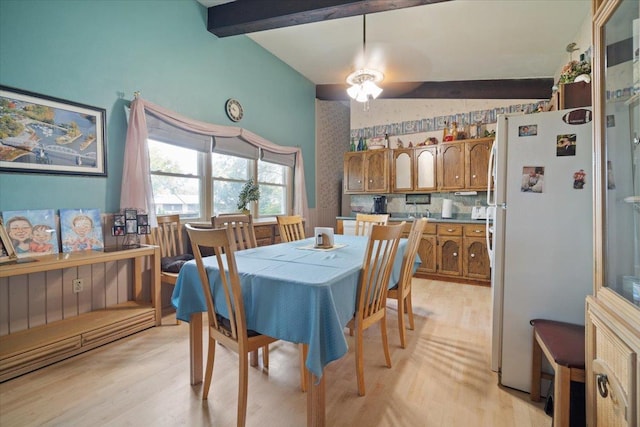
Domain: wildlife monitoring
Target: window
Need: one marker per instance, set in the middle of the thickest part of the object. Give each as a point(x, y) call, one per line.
point(198, 185)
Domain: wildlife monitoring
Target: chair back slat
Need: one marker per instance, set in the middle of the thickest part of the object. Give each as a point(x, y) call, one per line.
point(220, 242)
point(241, 227)
point(168, 235)
point(365, 221)
point(291, 228)
point(376, 270)
point(408, 260)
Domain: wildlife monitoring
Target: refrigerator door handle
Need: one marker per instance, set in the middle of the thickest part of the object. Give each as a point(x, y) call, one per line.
point(490, 174)
point(488, 232)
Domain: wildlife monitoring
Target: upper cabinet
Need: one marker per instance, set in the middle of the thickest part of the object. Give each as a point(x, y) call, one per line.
point(477, 164)
point(613, 312)
point(366, 172)
point(449, 166)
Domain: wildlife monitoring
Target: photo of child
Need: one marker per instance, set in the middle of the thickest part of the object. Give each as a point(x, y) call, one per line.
point(81, 230)
point(32, 232)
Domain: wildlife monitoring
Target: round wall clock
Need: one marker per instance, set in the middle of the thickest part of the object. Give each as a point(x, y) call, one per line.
point(234, 109)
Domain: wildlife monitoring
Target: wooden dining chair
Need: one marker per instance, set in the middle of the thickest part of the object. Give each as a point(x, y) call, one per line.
point(291, 227)
point(402, 290)
point(365, 221)
point(168, 236)
point(231, 329)
point(372, 291)
point(241, 227)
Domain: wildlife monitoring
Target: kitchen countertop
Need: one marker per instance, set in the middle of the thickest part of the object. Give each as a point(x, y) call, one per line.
point(460, 218)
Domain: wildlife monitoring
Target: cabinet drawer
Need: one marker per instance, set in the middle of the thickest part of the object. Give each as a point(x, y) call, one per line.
point(449, 230)
point(475, 230)
point(430, 228)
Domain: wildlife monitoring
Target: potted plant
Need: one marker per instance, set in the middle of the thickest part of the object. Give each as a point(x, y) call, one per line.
point(250, 193)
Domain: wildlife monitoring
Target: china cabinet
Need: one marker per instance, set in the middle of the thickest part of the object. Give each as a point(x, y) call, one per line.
point(613, 312)
point(414, 169)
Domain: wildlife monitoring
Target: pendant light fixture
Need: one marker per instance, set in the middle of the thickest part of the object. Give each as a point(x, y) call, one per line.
point(363, 82)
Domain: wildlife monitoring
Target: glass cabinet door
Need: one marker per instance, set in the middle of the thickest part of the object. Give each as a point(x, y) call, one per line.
point(617, 64)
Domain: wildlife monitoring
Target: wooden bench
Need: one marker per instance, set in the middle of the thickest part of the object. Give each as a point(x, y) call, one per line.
point(563, 346)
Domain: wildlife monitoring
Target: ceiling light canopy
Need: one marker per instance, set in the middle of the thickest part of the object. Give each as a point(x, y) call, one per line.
point(363, 81)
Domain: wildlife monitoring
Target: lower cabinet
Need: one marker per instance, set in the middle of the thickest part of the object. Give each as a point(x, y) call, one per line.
point(451, 252)
point(613, 367)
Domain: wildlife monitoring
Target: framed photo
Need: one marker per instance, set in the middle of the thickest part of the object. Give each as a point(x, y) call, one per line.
point(81, 230)
point(32, 232)
point(7, 251)
point(132, 226)
point(130, 214)
point(42, 134)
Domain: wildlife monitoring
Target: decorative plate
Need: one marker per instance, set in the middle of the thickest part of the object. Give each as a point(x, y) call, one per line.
point(234, 109)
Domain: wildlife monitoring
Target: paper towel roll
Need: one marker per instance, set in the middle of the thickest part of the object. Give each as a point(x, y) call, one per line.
point(447, 207)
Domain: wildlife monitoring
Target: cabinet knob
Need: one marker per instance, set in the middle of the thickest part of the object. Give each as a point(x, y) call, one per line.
point(455, 254)
point(477, 231)
point(457, 176)
point(473, 255)
point(449, 230)
point(473, 176)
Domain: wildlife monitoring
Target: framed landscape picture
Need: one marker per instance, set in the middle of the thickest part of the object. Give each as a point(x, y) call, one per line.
point(42, 134)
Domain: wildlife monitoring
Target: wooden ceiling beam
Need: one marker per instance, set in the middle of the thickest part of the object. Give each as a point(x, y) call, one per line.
point(539, 88)
point(250, 16)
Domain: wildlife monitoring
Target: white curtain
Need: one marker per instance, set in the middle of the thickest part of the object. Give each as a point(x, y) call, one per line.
point(136, 179)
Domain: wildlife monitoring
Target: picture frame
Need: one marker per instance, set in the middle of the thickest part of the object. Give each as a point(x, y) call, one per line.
point(32, 232)
point(51, 135)
point(7, 251)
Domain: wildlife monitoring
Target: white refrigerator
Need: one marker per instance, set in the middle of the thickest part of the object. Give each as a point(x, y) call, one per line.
point(540, 235)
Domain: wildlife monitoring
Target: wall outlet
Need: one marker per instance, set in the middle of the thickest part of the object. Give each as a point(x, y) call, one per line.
point(78, 285)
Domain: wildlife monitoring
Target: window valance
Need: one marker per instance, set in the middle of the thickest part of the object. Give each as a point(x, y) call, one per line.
point(147, 120)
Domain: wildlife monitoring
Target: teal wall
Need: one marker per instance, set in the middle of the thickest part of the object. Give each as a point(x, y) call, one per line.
point(99, 52)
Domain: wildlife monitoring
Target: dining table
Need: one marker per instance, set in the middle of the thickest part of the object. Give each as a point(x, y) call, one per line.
point(292, 291)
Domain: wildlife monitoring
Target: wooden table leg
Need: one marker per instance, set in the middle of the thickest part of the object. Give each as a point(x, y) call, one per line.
point(315, 400)
point(195, 347)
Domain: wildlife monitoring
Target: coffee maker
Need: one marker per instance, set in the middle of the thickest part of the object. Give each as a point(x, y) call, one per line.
point(379, 204)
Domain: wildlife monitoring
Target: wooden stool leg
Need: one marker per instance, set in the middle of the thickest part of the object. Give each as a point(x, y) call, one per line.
point(536, 369)
point(561, 396)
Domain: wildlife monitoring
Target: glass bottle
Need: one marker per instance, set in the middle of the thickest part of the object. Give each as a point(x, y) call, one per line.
point(387, 144)
point(445, 132)
point(352, 147)
point(360, 144)
point(454, 130)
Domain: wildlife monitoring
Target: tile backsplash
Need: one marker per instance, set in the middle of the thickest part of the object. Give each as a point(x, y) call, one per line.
point(396, 204)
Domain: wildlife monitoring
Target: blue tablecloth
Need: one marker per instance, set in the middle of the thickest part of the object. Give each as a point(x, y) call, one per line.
point(290, 293)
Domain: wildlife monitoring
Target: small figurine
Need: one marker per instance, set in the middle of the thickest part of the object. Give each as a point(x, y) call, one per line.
point(400, 143)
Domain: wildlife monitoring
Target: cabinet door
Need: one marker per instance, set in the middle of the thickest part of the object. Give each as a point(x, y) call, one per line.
point(376, 171)
point(354, 173)
point(475, 259)
point(427, 252)
point(451, 169)
point(450, 256)
point(403, 171)
point(477, 164)
point(425, 167)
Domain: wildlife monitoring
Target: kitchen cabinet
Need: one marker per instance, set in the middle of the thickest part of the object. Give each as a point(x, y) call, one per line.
point(475, 256)
point(366, 171)
point(451, 166)
point(450, 249)
point(428, 250)
point(477, 164)
point(414, 170)
point(403, 170)
point(613, 311)
point(426, 160)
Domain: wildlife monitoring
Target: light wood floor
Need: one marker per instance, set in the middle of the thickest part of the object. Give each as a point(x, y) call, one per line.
point(443, 378)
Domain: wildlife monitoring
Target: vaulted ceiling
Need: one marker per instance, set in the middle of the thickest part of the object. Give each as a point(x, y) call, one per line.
point(425, 48)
